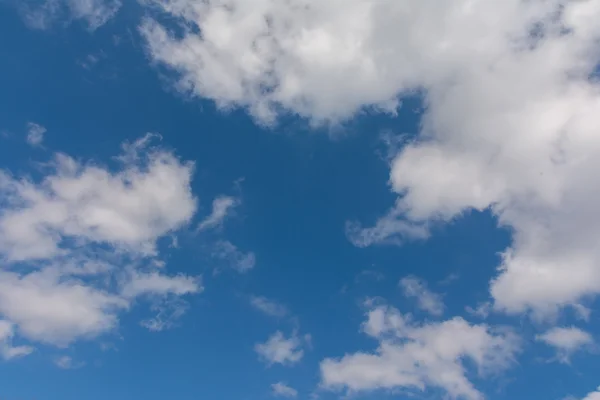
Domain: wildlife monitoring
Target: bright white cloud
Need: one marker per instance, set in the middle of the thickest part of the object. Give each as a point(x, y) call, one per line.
point(593, 396)
point(426, 299)
point(566, 341)
point(269, 307)
point(281, 350)
point(35, 133)
point(128, 209)
point(221, 206)
point(43, 15)
point(416, 356)
point(79, 245)
point(52, 310)
point(236, 259)
point(510, 123)
point(7, 350)
point(283, 390)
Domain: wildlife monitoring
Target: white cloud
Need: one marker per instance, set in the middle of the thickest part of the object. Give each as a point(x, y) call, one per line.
point(94, 13)
point(128, 209)
point(238, 260)
point(269, 307)
point(426, 299)
point(156, 284)
point(66, 362)
point(283, 390)
point(50, 309)
point(221, 206)
point(413, 356)
point(566, 341)
point(35, 133)
point(79, 245)
point(7, 350)
point(281, 350)
point(510, 120)
point(593, 396)
point(389, 229)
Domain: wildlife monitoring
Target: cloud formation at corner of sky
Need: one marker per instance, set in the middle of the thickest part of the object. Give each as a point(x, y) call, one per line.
point(414, 356)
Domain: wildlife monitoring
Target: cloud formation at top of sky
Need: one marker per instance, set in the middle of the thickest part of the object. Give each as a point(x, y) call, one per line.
point(509, 126)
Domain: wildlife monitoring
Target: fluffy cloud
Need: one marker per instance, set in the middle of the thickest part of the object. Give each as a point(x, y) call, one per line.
point(413, 356)
point(49, 309)
point(129, 209)
point(593, 395)
point(283, 390)
point(79, 245)
point(426, 299)
point(566, 340)
point(94, 13)
point(268, 307)
point(281, 350)
point(511, 101)
point(35, 133)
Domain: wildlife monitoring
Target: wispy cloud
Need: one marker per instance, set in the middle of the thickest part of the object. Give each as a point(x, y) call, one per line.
point(221, 208)
point(566, 341)
point(35, 134)
point(283, 390)
point(236, 259)
point(66, 362)
point(428, 301)
point(268, 307)
point(45, 14)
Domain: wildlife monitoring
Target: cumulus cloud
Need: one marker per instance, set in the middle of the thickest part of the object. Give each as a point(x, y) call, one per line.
point(593, 396)
point(78, 246)
point(221, 206)
point(281, 350)
point(416, 356)
point(512, 108)
point(268, 307)
point(511, 98)
point(42, 15)
point(427, 301)
point(566, 341)
point(128, 209)
point(35, 133)
point(283, 390)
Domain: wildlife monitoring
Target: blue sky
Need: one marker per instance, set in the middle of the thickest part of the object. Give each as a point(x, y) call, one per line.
point(304, 199)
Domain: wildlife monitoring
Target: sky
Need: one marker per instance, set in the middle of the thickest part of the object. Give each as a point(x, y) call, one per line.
point(300, 199)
